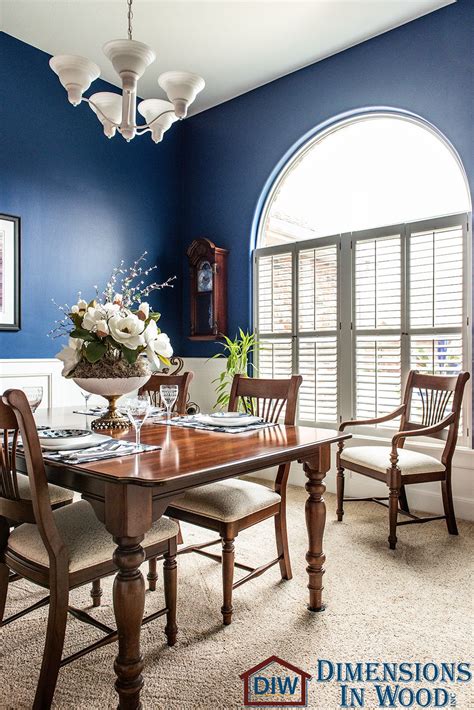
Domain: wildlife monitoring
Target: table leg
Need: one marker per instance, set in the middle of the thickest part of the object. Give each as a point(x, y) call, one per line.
point(129, 604)
point(315, 470)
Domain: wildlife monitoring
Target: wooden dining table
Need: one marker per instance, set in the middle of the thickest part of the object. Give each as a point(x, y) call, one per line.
point(128, 494)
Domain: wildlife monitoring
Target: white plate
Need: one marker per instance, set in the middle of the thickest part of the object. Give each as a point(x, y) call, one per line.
point(63, 434)
point(76, 443)
point(229, 421)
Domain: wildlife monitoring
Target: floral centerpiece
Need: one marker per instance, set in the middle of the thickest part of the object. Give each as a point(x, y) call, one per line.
point(114, 343)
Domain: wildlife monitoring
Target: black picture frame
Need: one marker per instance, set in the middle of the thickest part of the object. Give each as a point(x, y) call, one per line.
point(14, 277)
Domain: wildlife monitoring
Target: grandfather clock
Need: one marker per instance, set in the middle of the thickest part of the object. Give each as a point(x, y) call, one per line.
point(208, 270)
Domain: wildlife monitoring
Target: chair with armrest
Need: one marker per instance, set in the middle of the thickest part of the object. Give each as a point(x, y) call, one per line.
point(228, 507)
point(436, 414)
point(63, 549)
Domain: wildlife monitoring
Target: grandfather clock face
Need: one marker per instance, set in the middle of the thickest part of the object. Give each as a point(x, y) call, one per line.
point(204, 277)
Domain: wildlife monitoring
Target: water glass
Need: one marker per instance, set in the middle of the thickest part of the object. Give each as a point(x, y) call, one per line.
point(169, 395)
point(138, 408)
point(34, 395)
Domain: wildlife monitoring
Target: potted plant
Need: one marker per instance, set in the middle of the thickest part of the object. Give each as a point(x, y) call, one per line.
point(114, 343)
point(238, 352)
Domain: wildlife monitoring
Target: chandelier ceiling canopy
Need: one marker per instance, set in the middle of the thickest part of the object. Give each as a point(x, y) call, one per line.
point(117, 112)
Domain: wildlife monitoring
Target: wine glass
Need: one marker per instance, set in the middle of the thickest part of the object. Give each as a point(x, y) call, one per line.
point(87, 396)
point(34, 395)
point(169, 395)
point(138, 408)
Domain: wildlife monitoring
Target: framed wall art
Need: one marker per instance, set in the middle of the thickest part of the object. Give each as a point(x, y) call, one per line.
point(9, 272)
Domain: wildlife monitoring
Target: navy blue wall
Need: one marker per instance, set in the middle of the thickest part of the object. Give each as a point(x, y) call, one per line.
point(85, 202)
point(424, 67)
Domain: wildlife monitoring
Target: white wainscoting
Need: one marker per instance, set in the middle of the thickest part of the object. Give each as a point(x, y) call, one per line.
point(59, 392)
point(44, 372)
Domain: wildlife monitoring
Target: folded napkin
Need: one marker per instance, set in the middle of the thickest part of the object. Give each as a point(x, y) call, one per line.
point(197, 421)
point(108, 450)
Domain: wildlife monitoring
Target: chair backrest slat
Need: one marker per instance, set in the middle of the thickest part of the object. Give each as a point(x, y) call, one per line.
point(428, 400)
point(266, 398)
point(152, 388)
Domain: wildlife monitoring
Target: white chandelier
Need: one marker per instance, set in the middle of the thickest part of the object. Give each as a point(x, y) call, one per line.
point(118, 112)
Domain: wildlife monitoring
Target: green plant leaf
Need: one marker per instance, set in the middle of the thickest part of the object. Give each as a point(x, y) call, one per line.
point(83, 335)
point(129, 354)
point(94, 351)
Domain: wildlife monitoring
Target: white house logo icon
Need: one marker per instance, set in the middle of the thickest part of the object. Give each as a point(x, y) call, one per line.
point(275, 683)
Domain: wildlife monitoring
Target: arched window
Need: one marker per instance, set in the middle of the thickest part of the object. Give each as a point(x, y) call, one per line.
point(361, 270)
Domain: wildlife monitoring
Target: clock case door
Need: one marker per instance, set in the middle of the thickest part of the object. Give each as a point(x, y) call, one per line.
point(208, 308)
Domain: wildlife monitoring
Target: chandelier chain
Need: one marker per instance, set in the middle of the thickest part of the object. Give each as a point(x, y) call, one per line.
point(130, 18)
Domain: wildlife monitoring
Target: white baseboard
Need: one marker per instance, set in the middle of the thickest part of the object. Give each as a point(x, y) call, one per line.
point(60, 392)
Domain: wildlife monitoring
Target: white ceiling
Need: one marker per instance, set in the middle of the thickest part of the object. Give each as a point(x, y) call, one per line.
point(234, 44)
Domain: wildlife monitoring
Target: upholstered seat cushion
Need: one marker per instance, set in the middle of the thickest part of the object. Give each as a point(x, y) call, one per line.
point(378, 459)
point(227, 500)
point(86, 538)
point(57, 495)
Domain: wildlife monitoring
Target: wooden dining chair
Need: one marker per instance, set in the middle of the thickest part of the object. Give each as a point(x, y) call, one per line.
point(63, 549)
point(14, 486)
point(431, 407)
point(228, 507)
point(152, 388)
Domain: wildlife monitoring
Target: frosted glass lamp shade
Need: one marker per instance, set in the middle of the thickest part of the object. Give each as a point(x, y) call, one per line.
point(181, 88)
point(75, 73)
point(151, 109)
point(110, 110)
point(129, 56)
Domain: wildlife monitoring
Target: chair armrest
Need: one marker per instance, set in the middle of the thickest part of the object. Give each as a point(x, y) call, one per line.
point(378, 420)
point(425, 431)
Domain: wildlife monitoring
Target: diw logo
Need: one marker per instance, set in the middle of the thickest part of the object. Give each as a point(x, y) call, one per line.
point(274, 682)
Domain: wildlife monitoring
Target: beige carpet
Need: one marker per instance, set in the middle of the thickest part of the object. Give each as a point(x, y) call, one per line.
point(414, 604)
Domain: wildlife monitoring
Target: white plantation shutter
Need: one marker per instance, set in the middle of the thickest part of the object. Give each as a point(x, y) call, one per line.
point(354, 313)
point(436, 314)
point(318, 332)
point(274, 314)
point(436, 278)
point(377, 323)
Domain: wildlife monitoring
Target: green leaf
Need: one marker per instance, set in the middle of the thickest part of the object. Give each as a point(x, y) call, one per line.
point(129, 354)
point(94, 351)
point(83, 334)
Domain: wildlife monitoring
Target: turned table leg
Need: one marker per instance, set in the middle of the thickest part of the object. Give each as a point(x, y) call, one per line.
point(129, 604)
point(315, 470)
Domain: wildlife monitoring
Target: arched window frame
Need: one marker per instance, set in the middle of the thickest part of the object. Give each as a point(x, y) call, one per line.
point(344, 332)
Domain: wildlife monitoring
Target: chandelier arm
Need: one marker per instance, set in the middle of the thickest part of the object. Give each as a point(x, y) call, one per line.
point(88, 101)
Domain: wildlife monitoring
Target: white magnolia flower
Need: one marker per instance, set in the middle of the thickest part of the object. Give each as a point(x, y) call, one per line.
point(70, 355)
point(92, 317)
point(102, 329)
point(127, 331)
point(143, 310)
point(118, 298)
point(110, 308)
point(75, 309)
point(82, 305)
point(156, 344)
